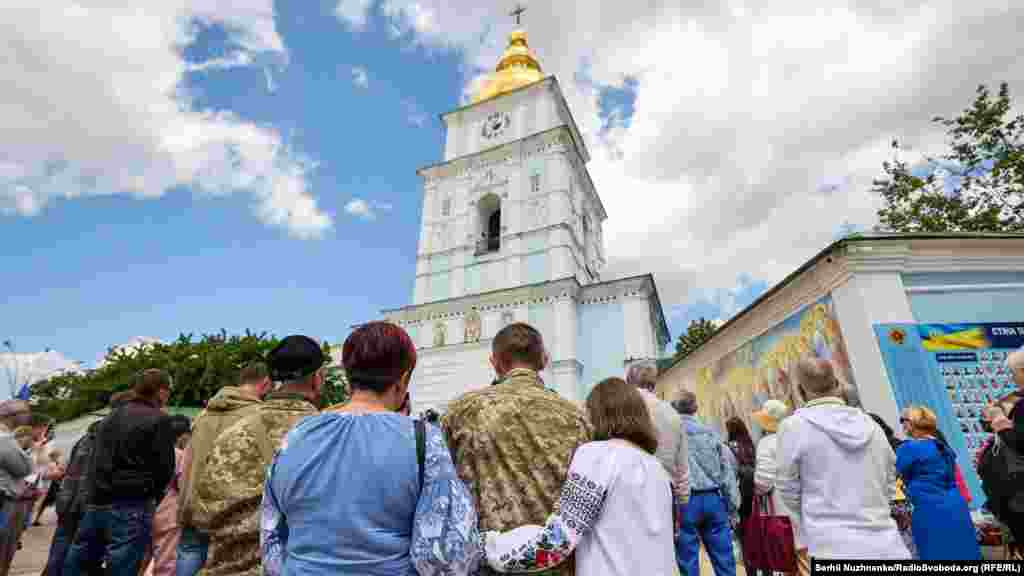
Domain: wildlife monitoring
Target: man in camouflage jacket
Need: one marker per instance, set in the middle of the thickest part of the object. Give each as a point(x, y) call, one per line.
point(512, 442)
point(229, 406)
point(229, 488)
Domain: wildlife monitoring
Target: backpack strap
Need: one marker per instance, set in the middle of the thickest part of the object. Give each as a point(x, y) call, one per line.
point(421, 448)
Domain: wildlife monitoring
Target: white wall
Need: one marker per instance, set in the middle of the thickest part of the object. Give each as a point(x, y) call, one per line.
point(442, 374)
point(864, 300)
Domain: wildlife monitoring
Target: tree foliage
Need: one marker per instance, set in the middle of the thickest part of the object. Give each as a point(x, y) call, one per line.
point(199, 368)
point(986, 162)
point(698, 332)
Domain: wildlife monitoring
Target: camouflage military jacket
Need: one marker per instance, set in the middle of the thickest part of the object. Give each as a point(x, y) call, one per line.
point(229, 487)
point(512, 444)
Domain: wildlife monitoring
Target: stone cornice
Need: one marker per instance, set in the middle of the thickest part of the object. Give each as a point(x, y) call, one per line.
point(487, 301)
point(502, 154)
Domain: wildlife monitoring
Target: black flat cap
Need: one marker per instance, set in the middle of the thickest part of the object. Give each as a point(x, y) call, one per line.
point(294, 358)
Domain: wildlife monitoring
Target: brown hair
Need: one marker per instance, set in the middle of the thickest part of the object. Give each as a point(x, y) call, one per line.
point(519, 343)
point(377, 355)
point(253, 373)
point(617, 410)
point(922, 421)
point(121, 397)
point(150, 382)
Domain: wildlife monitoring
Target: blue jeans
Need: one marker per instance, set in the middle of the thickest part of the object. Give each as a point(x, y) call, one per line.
point(192, 547)
point(705, 518)
point(118, 534)
point(58, 550)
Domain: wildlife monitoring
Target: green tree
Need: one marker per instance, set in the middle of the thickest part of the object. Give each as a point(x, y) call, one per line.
point(199, 368)
point(986, 156)
point(698, 332)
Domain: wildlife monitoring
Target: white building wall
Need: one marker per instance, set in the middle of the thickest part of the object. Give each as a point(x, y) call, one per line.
point(443, 374)
point(638, 329)
point(868, 299)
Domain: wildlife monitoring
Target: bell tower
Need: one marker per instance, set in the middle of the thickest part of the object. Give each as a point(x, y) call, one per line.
point(512, 203)
point(511, 231)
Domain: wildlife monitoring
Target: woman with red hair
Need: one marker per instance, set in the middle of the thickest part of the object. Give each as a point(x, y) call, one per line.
point(361, 487)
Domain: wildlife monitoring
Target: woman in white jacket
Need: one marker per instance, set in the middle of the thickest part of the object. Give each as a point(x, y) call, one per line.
point(768, 418)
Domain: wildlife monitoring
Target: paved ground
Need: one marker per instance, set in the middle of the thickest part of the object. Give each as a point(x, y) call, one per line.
point(31, 559)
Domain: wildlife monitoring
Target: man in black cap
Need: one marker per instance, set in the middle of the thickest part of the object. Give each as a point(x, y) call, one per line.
point(229, 488)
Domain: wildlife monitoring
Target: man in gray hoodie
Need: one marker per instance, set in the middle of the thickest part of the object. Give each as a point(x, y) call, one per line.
point(15, 465)
point(838, 471)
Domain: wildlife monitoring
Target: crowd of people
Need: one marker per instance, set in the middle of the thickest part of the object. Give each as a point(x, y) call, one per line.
point(513, 478)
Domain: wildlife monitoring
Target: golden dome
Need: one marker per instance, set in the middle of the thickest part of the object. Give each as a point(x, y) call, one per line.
point(517, 68)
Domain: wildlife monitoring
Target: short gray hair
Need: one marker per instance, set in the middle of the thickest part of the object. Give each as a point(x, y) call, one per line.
point(642, 376)
point(816, 378)
point(1015, 361)
point(686, 404)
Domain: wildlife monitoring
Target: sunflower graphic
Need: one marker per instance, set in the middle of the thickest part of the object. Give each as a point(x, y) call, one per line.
point(897, 336)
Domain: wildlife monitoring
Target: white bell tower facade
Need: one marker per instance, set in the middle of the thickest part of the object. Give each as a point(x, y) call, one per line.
point(511, 232)
point(512, 204)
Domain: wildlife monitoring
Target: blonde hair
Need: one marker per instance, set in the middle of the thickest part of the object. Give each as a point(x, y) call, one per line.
point(922, 421)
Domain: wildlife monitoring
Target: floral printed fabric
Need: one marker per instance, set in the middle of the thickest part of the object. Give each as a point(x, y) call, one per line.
point(534, 548)
point(445, 540)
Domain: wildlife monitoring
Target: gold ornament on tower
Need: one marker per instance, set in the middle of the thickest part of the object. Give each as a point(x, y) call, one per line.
point(517, 68)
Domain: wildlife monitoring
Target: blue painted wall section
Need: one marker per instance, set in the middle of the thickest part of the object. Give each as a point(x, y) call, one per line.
point(954, 369)
point(972, 305)
point(600, 343)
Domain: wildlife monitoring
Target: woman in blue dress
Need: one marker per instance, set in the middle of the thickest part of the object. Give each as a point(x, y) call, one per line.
point(363, 490)
point(941, 524)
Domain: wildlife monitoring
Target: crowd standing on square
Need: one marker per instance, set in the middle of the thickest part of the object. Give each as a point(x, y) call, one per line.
point(513, 477)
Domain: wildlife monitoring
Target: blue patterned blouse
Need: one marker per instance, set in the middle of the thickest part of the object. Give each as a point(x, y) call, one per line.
point(343, 497)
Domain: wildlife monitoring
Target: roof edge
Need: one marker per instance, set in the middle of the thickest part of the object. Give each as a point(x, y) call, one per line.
point(835, 245)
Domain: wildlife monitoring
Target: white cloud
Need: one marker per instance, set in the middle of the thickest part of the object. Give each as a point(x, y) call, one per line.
point(97, 104)
point(360, 209)
point(365, 210)
point(359, 77)
point(756, 131)
point(19, 368)
point(130, 347)
point(353, 12)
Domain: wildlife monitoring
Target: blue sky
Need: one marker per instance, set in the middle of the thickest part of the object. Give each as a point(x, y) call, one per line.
point(255, 168)
point(88, 273)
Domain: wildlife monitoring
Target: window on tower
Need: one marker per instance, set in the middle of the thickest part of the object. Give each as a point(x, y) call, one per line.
point(535, 183)
point(494, 231)
point(446, 207)
point(490, 225)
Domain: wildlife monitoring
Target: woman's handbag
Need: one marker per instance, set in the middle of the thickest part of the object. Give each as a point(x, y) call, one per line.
point(768, 538)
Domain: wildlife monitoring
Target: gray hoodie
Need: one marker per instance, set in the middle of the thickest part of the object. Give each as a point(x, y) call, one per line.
point(837, 470)
point(15, 464)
